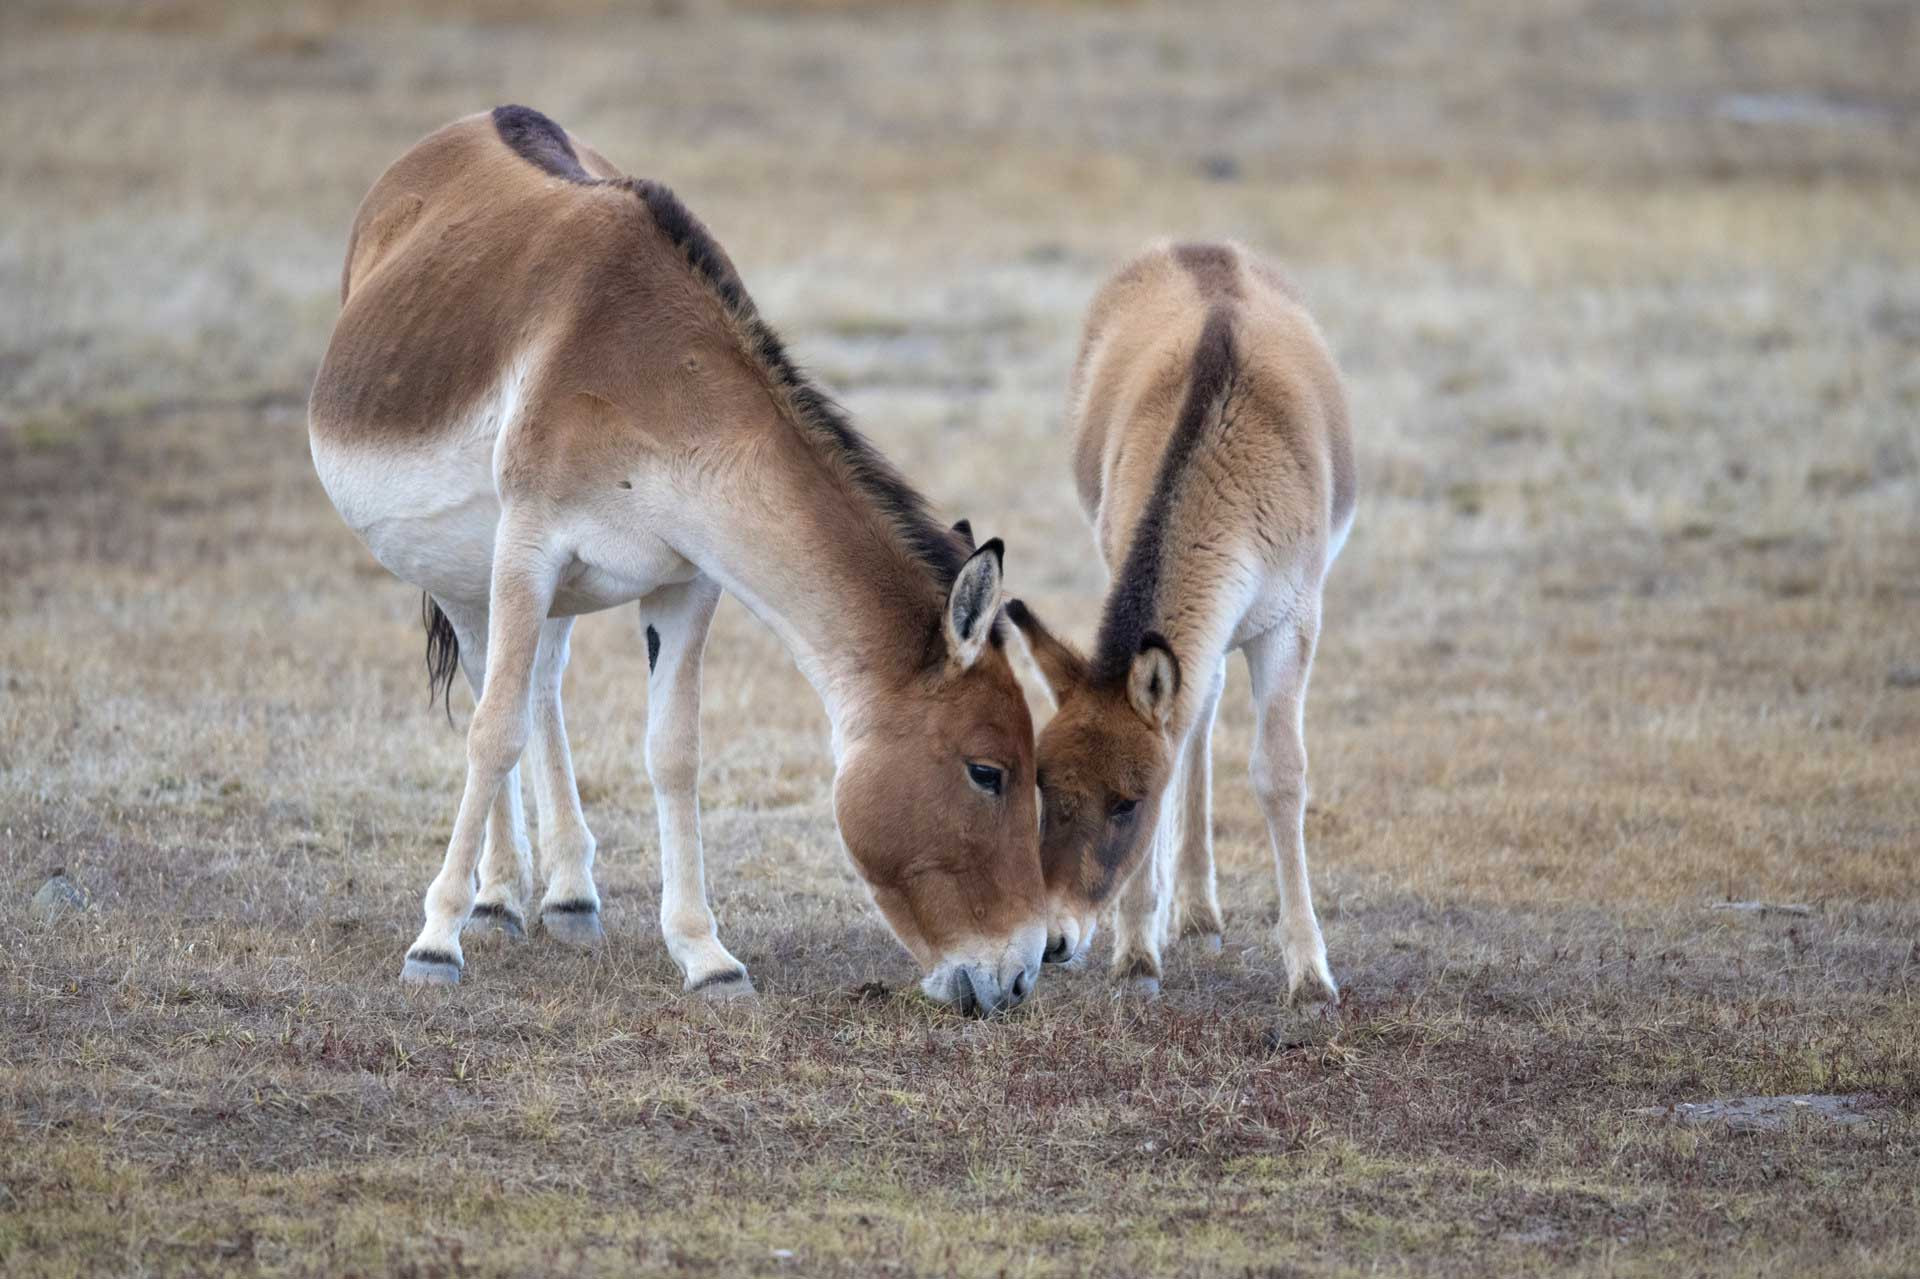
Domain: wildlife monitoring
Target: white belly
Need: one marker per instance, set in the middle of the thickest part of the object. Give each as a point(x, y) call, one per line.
point(429, 517)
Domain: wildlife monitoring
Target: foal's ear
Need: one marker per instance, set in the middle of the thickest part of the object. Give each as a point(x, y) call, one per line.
point(963, 530)
point(1153, 680)
point(1060, 663)
point(972, 605)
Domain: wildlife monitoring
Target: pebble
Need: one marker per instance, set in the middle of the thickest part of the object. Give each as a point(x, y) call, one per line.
point(56, 897)
point(1772, 1114)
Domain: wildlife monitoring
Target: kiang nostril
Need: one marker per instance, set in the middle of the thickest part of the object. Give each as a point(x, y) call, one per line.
point(1056, 950)
point(1020, 987)
point(968, 1000)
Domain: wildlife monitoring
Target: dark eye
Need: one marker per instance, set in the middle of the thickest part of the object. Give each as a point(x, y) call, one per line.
point(986, 777)
point(1121, 809)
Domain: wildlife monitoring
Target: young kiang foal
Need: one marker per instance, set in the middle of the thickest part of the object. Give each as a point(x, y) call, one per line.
point(548, 393)
point(1212, 455)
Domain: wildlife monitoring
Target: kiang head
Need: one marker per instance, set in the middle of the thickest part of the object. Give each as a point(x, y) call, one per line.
point(1102, 766)
point(935, 801)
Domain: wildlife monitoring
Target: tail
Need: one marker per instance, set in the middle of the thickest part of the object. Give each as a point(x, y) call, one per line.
point(443, 654)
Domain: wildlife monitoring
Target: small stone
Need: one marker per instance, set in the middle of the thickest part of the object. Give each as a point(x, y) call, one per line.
point(1772, 1114)
point(1220, 167)
point(56, 897)
point(1904, 677)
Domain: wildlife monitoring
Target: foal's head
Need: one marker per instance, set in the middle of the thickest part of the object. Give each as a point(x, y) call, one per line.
point(1103, 762)
point(935, 801)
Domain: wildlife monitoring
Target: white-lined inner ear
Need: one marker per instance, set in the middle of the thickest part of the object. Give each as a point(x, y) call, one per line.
point(972, 604)
point(1152, 681)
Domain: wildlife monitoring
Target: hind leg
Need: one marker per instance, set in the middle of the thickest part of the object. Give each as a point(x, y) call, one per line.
point(524, 575)
point(506, 864)
point(570, 910)
point(1196, 893)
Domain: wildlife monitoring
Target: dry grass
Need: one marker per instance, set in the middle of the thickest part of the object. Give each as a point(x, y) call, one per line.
point(1630, 304)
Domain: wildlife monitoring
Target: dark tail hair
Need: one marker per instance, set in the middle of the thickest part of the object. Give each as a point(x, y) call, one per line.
point(443, 654)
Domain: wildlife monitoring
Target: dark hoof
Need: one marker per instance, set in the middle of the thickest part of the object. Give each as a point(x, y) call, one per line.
point(493, 917)
point(1313, 988)
point(1316, 995)
point(430, 968)
point(574, 923)
point(1139, 978)
point(724, 987)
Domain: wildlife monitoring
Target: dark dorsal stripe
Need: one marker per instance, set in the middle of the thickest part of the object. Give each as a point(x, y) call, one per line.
point(542, 143)
point(1134, 602)
point(539, 141)
point(1214, 267)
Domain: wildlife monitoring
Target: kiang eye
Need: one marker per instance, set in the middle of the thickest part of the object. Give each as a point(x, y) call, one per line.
point(1121, 809)
point(986, 777)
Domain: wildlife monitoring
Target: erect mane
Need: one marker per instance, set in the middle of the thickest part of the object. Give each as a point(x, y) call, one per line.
point(1133, 604)
point(811, 409)
point(541, 142)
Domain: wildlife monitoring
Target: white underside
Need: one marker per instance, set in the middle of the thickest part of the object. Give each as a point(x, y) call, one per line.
point(429, 514)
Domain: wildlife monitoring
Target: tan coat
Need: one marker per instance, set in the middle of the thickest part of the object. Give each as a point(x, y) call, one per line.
point(1212, 454)
point(547, 393)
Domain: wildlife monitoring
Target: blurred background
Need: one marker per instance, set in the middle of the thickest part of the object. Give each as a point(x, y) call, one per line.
point(180, 173)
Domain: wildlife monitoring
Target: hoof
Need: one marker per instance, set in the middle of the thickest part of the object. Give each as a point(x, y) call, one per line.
point(490, 918)
point(724, 986)
point(1208, 942)
point(1138, 977)
point(430, 968)
point(1309, 980)
point(1313, 987)
point(574, 923)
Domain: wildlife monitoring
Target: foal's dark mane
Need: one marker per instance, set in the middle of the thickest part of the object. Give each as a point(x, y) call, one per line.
point(1132, 605)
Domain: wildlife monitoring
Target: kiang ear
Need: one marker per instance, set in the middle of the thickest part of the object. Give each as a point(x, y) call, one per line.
point(1061, 665)
point(972, 605)
point(1153, 681)
point(964, 532)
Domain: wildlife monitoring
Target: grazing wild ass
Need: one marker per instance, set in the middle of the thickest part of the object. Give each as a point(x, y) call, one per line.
point(548, 393)
point(1212, 455)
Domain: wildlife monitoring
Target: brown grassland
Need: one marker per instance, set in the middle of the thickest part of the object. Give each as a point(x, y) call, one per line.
point(1629, 302)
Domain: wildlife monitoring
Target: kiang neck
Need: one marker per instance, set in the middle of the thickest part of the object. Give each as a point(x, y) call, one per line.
point(815, 560)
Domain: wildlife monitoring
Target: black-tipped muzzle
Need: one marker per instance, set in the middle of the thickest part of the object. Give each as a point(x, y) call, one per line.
point(968, 1000)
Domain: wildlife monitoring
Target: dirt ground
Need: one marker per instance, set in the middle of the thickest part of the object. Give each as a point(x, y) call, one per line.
point(1629, 625)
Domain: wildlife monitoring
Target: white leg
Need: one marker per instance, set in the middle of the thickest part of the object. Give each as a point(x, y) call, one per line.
point(506, 866)
point(1196, 900)
point(676, 620)
point(570, 909)
point(1280, 662)
point(1141, 911)
point(522, 591)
